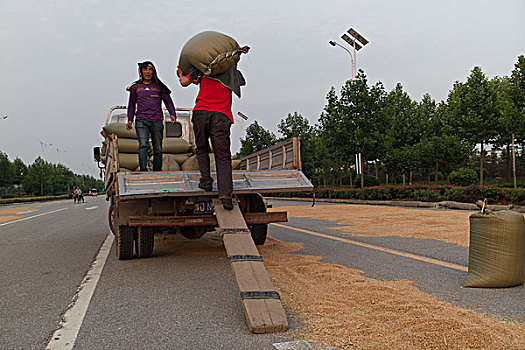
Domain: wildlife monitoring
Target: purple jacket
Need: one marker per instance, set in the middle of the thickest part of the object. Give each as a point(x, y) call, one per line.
point(146, 100)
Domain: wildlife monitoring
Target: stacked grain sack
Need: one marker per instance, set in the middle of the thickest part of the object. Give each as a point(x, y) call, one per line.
point(127, 143)
point(175, 150)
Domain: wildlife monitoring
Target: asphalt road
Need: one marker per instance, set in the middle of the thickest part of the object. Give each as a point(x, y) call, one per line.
point(185, 296)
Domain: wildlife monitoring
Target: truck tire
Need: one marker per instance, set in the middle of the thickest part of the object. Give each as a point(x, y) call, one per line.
point(111, 218)
point(258, 231)
point(124, 242)
point(144, 242)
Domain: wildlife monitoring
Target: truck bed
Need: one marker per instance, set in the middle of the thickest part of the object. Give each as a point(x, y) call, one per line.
point(184, 183)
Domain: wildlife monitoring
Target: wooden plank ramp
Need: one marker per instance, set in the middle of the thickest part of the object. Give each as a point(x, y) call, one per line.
point(261, 302)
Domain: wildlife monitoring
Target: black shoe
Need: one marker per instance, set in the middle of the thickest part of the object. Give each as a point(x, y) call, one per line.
point(227, 204)
point(206, 186)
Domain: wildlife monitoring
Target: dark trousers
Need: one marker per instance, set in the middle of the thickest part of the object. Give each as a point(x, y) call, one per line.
point(144, 128)
point(216, 127)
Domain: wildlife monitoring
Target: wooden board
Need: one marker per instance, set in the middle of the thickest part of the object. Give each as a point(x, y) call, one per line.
point(262, 308)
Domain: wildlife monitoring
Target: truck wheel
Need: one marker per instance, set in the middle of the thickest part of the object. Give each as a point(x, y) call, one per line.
point(144, 242)
point(111, 218)
point(258, 231)
point(124, 242)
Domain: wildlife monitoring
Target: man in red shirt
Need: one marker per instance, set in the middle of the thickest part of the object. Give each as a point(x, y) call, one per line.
point(212, 119)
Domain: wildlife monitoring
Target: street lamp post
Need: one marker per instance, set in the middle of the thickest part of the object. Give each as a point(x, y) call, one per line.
point(244, 117)
point(352, 61)
point(352, 38)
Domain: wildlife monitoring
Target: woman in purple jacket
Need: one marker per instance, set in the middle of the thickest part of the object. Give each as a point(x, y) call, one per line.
point(145, 104)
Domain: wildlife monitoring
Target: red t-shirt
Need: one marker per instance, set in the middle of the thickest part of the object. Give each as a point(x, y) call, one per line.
point(214, 97)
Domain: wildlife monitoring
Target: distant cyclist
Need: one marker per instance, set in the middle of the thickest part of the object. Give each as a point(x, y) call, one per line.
point(77, 195)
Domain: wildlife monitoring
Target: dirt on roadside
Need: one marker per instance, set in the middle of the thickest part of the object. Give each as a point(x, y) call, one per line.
point(342, 308)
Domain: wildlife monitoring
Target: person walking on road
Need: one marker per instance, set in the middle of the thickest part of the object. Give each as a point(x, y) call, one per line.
point(212, 119)
point(145, 98)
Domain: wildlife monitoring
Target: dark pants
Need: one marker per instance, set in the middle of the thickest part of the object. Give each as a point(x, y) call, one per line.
point(144, 128)
point(215, 126)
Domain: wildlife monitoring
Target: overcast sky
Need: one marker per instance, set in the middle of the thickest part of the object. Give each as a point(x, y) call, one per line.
point(65, 63)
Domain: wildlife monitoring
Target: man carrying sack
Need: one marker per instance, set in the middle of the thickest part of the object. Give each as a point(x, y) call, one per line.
point(147, 94)
point(212, 114)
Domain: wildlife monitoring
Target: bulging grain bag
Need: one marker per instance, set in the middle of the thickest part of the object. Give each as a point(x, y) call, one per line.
point(181, 158)
point(120, 130)
point(127, 145)
point(211, 53)
point(192, 164)
point(496, 250)
point(128, 160)
point(175, 145)
point(169, 163)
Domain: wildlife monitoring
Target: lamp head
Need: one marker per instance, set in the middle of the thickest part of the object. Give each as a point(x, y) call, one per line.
point(332, 43)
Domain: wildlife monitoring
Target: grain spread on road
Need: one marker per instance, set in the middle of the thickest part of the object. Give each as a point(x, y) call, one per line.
point(450, 226)
point(342, 308)
point(8, 218)
point(15, 211)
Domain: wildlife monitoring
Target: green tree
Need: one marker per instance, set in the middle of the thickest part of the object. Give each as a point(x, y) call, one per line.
point(335, 145)
point(473, 114)
point(354, 123)
point(257, 138)
point(295, 125)
point(405, 129)
point(19, 172)
point(38, 178)
point(514, 106)
point(6, 172)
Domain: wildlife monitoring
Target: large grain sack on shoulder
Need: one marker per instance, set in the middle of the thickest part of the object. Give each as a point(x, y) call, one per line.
point(191, 164)
point(120, 130)
point(211, 53)
point(496, 250)
point(128, 160)
point(169, 163)
point(175, 145)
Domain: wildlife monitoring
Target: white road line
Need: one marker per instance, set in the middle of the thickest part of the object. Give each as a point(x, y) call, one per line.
point(382, 249)
point(31, 217)
point(91, 208)
point(65, 336)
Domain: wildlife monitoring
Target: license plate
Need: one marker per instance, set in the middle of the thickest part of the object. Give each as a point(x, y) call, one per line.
point(203, 208)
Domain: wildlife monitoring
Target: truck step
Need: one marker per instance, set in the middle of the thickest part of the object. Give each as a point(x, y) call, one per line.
point(261, 302)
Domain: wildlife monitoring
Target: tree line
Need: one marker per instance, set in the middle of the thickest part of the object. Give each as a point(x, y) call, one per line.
point(41, 178)
point(400, 138)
